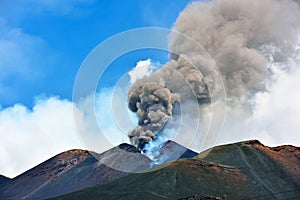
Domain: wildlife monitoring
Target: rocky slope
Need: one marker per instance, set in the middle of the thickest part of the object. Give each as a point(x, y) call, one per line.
point(245, 170)
point(71, 171)
point(171, 150)
point(77, 169)
point(4, 180)
point(272, 172)
point(180, 179)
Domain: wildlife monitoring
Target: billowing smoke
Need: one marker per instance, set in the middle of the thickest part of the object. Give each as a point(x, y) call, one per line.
point(154, 97)
point(242, 37)
point(153, 103)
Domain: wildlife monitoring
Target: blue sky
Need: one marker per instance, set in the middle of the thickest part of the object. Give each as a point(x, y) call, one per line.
point(43, 43)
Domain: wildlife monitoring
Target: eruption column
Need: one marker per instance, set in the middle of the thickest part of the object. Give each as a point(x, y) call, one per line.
point(153, 104)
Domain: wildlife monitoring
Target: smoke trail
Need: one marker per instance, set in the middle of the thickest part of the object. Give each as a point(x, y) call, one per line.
point(241, 36)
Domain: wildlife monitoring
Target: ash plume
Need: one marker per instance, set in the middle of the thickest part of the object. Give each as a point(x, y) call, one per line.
point(242, 37)
point(153, 103)
point(154, 97)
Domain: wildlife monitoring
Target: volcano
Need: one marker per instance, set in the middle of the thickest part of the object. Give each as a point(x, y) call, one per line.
point(77, 169)
point(70, 171)
point(237, 171)
point(244, 170)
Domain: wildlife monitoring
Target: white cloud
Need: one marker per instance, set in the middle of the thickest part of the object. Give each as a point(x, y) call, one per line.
point(275, 115)
point(277, 112)
point(29, 137)
point(110, 123)
point(142, 68)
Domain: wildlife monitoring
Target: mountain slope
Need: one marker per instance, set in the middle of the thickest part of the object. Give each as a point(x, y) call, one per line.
point(71, 171)
point(171, 150)
point(241, 171)
point(179, 179)
point(271, 170)
point(77, 169)
point(4, 180)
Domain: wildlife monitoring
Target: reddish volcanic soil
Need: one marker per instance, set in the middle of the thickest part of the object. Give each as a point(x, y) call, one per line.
point(286, 155)
point(70, 171)
point(244, 170)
